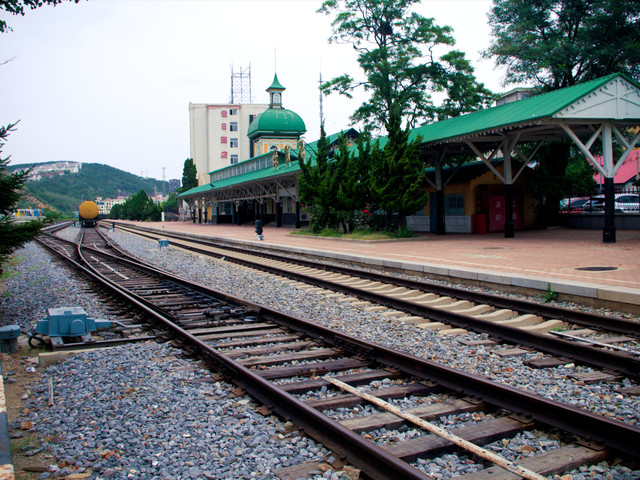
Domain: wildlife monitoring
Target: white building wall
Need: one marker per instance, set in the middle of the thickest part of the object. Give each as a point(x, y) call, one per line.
point(198, 137)
point(210, 124)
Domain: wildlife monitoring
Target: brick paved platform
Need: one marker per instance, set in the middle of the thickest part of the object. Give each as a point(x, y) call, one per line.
point(573, 262)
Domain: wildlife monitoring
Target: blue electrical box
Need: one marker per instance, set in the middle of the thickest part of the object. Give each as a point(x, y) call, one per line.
point(162, 242)
point(9, 338)
point(68, 322)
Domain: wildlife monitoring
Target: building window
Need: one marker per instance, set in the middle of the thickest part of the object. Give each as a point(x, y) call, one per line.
point(224, 126)
point(287, 204)
point(234, 159)
point(226, 208)
point(454, 204)
point(223, 139)
point(223, 113)
point(233, 143)
point(233, 111)
point(223, 155)
point(233, 126)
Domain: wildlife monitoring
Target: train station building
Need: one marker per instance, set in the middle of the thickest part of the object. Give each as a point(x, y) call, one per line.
point(483, 196)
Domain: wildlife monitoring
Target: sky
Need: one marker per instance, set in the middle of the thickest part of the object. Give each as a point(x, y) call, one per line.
point(110, 81)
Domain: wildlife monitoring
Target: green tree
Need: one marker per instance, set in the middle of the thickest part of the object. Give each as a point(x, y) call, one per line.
point(171, 203)
point(12, 235)
point(317, 184)
point(401, 72)
point(137, 207)
point(396, 53)
point(579, 175)
point(65, 192)
point(353, 190)
point(397, 176)
point(554, 44)
point(189, 176)
point(558, 43)
point(116, 212)
point(18, 7)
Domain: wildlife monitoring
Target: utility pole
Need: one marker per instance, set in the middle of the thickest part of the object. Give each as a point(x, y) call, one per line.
point(320, 88)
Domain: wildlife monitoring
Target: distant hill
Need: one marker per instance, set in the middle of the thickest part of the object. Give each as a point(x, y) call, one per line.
point(64, 192)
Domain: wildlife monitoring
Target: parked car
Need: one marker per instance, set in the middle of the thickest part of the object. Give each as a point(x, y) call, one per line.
point(628, 203)
point(573, 204)
point(624, 203)
point(594, 204)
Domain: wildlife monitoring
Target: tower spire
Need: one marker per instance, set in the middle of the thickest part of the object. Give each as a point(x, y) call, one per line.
point(275, 93)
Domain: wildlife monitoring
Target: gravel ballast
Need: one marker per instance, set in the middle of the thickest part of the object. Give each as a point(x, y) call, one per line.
point(153, 418)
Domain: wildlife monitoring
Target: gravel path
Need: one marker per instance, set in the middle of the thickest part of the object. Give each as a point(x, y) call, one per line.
point(129, 412)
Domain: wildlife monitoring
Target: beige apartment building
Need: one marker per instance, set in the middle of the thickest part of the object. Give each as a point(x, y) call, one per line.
point(106, 204)
point(218, 135)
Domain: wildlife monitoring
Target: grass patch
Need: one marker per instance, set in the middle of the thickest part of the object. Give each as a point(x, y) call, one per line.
point(357, 235)
point(19, 445)
point(9, 271)
point(549, 296)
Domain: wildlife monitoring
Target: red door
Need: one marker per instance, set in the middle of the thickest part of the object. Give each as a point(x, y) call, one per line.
point(496, 208)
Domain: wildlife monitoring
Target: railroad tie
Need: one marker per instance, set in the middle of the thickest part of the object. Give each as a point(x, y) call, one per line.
point(440, 432)
point(453, 331)
point(546, 327)
point(440, 301)
point(457, 306)
point(433, 326)
point(498, 315)
point(413, 319)
point(522, 321)
point(476, 311)
point(416, 296)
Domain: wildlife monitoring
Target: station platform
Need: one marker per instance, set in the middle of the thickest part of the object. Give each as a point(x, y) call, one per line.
point(572, 263)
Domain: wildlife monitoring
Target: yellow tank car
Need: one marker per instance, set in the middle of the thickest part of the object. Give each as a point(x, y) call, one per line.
point(88, 213)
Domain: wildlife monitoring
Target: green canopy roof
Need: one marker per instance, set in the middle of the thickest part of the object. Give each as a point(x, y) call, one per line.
point(538, 117)
point(275, 85)
point(530, 109)
point(277, 121)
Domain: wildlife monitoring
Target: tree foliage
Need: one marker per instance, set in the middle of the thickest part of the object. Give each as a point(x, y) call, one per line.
point(396, 53)
point(137, 207)
point(18, 7)
point(558, 43)
point(12, 235)
point(189, 176)
point(353, 194)
point(317, 183)
point(402, 74)
point(554, 44)
point(397, 176)
point(66, 192)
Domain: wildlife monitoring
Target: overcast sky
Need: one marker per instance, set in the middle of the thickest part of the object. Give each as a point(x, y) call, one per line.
point(110, 81)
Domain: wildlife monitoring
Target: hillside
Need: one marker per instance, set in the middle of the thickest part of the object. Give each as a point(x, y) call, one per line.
point(65, 192)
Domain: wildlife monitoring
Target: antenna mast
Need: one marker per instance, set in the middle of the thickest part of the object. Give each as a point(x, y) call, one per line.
point(241, 85)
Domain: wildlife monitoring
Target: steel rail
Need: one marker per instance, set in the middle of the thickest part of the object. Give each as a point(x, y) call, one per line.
point(364, 454)
point(590, 320)
point(558, 347)
point(614, 434)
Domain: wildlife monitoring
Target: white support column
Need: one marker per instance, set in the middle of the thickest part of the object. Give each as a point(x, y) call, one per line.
point(609, 229)
point(608, 169)
point(486, 160)
point(507, 147)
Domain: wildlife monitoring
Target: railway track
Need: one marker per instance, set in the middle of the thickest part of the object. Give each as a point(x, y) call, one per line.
point(307, 373)
point(129, 323)
point(605, 342)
